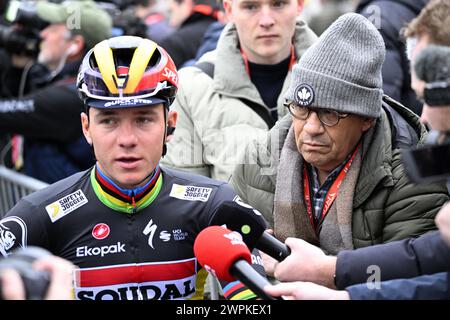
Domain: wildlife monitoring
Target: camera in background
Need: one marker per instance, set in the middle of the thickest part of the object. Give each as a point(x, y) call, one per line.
point(21, 34)
point(125, 22)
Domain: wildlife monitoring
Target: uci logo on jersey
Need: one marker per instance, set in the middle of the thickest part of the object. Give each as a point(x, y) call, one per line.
point(66, 205)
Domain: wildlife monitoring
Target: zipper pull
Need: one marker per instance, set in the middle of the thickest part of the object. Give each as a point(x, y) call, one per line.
point(133, 201)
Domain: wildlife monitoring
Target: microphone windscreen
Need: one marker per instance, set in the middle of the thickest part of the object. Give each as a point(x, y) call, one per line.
point(240, 217)
point(432, 64)
point(217, 248)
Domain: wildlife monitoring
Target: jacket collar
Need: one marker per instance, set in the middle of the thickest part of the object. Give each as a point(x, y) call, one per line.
point(230, 77)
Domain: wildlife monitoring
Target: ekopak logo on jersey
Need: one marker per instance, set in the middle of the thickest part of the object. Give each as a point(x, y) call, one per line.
point(102, 251)
point(100, 231)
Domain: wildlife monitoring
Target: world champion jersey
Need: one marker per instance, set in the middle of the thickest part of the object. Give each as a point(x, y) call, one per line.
point(127, 246)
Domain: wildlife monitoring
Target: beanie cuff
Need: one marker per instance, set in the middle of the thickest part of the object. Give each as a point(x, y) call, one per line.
point(337, 94)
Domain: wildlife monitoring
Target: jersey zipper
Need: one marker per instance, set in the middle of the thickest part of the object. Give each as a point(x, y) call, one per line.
point(133, 202)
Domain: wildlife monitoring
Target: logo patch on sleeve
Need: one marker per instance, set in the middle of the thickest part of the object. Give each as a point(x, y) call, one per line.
point(66, 205)
point(190, 193)
point(13, 234)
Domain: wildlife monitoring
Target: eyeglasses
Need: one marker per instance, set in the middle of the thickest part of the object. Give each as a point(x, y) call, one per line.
point(327, 117)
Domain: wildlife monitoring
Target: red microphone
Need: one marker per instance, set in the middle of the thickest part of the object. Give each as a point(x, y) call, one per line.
point(223, 253)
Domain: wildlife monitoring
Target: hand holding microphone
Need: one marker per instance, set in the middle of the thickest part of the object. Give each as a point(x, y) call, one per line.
point(224, 254)
point(242, 218)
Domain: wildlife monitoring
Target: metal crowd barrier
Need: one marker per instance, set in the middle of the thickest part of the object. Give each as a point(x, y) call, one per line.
point(14, 186)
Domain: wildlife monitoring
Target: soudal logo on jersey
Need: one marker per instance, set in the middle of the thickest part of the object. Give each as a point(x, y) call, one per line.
point(190, 193)
point(146, 281)
point(100, 231)
point(66, 205)
point(102, 251)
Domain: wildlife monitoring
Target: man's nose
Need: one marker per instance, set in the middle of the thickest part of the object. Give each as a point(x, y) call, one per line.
point(313, 125)
point(127, 136)
point(266, 16)
point(43, 33)
point(424, 116)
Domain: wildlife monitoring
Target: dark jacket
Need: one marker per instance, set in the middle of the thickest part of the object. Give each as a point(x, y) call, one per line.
point(407, 258)
point(386, 205)
point(49, 119)
point(183, 43)
point(428, 287)
point(390, 16)
point(209, 42)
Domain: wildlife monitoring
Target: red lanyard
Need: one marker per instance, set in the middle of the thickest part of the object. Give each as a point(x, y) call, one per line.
point(291, 63)
point(331, 194)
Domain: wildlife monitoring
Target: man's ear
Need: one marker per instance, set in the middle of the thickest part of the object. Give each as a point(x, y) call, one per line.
point(227, 6)
point(77, 46)
point(300, 6)
point(368, 123)
point(85, 127)
point(171, 124)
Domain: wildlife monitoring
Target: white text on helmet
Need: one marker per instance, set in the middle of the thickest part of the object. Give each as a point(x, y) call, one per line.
point(169, 74)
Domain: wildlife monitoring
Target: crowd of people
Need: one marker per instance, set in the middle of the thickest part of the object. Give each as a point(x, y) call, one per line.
point(143, 133)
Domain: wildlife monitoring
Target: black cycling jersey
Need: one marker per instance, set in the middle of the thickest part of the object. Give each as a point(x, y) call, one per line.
point(128, 245)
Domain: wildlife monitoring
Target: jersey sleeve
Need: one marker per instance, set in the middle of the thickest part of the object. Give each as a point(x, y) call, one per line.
point(22, 227)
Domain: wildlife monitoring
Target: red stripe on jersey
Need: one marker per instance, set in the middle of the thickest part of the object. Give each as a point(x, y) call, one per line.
point(138, 273)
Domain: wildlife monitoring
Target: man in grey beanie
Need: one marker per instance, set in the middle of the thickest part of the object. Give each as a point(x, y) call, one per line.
point(415, 268)
point(331, 173)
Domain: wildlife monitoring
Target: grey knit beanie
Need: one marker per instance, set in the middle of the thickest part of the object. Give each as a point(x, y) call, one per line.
point(342, 70)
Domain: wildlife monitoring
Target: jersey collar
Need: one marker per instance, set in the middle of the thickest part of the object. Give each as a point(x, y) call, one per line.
point(125, 200)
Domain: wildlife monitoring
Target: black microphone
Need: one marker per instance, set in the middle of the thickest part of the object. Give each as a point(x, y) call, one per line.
point(249, 222)
point(432, 65)
point(223, 253)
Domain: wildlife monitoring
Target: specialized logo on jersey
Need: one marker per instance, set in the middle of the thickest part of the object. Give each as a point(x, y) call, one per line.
point(100, 231)
point(190, 193)
point(13, 234)
point(149, 231)
point(66, 205)
point(146, 281)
